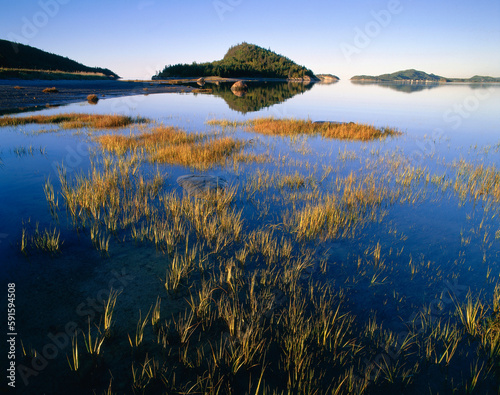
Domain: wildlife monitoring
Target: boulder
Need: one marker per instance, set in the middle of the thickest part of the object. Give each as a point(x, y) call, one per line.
point(201, 81)
point(239, 86)
point(200, 184)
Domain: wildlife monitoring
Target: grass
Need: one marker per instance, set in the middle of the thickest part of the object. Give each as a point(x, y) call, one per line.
point(47, 240)
point(29, 74)
point(268, 285)
point(293, 127)
point(74, 120)
point(165, 144)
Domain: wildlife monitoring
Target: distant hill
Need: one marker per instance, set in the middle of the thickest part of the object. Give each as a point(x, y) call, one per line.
point(243, 60)
point(419, 76)
point(24, 57)
point(404, 75)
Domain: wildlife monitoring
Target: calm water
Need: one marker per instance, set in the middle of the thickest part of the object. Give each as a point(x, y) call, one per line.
point(441, 124)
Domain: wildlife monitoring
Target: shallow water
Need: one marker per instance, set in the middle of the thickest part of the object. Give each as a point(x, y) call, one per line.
point(442, 235)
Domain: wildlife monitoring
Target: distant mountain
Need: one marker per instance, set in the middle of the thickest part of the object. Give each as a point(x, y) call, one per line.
point(243, 60)
point(20, 56)
point(413, 75)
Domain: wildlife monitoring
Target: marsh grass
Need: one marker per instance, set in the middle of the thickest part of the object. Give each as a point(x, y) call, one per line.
point(244, 304)
point(47, 240)
point(165, 144)
point(74, 120)
point(294, 127)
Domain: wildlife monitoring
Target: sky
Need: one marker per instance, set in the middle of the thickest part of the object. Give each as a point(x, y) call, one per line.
point(137, 38)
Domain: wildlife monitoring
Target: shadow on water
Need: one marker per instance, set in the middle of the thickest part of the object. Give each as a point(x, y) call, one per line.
point(259, 95)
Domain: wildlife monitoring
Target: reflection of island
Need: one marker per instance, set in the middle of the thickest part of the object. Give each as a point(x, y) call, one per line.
point(414, 80)
point(401, 86)
point(408, 87)
point(259, 94)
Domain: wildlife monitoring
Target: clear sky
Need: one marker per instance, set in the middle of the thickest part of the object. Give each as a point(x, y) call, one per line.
point(135, 38)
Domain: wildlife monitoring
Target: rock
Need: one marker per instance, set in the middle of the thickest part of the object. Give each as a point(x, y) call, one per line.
point(201, 81)
point(239, 86)
point(92, 99)
point(199, 185)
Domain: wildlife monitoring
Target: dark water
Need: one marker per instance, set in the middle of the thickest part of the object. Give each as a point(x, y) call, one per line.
point(442, 236)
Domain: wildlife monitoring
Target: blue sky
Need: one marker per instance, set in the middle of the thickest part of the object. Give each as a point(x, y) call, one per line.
point(134, 38)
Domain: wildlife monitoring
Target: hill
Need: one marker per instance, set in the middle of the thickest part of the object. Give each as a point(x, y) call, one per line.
point(413, 75)
point(14, 56)
point(404, 75)
point(243, 60)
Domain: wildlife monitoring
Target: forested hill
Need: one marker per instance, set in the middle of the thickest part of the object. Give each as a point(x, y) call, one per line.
point(243, 60)
point(20, 56)
point(415, 75)
point(404, 75)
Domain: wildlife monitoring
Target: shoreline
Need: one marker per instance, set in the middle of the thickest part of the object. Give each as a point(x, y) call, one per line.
point(27, 95)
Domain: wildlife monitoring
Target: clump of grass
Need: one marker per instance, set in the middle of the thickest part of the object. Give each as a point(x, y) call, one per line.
point(51, 90)
point(47, 240)
point(175, 146)
point(74, 120)
point(292, 127)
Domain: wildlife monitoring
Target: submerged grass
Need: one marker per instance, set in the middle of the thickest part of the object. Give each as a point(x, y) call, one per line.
point(244, 308)
point(74, 120)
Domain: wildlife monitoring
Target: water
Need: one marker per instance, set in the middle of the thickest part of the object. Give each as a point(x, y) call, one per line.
point(450, 242)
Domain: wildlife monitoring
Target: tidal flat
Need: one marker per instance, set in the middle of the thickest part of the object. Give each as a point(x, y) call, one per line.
point(323, 264)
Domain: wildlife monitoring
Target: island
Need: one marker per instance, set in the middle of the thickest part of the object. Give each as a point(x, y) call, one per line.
point(413, 76)
point(243, 61)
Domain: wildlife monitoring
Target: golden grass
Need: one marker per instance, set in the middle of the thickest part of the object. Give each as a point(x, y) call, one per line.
point(166, 144)
point(74, 120)
point(292, 127)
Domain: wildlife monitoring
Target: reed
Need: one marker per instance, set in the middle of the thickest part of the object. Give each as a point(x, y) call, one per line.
point(109, 307)
point(139, 332)
point(93, 342)
point(74, 363)
point(47, 240)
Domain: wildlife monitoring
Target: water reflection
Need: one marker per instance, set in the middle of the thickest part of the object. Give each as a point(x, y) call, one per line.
point(408, 87)
point(401, 87)
point(259, 95)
